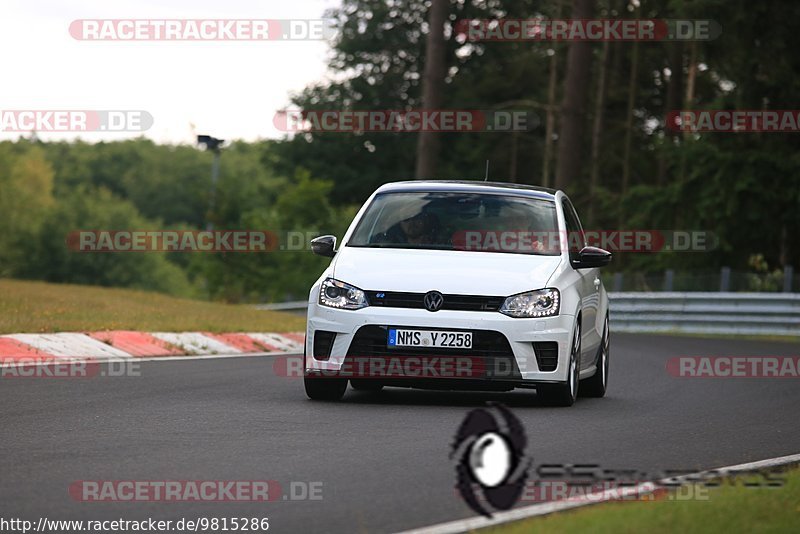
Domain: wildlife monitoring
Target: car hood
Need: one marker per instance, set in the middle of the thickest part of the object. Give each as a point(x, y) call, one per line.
point(447, 271)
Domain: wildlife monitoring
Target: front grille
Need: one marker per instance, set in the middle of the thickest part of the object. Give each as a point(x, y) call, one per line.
point(397, 299)
point(323, 344)
point(490, 356)
point(546, 355)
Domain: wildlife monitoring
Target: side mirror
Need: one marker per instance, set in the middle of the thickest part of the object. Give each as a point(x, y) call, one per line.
point(590, 257)
point(324, 246)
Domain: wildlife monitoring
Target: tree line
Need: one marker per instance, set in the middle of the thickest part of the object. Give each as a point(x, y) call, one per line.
point(601, 137)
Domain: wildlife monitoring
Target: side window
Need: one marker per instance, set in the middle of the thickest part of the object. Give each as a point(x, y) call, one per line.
point(575, 238)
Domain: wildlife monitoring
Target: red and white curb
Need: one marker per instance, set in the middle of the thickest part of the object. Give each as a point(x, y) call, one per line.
point(126, 344)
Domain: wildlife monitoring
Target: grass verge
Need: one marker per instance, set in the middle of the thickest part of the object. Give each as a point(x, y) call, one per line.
point(728, 508)
point(41, 307)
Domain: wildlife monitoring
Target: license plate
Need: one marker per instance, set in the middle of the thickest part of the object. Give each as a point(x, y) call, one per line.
point(440, 339)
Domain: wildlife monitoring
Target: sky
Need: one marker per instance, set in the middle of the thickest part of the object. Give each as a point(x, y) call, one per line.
point(227, 89)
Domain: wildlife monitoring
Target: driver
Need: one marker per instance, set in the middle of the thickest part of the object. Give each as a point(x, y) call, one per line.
point(420, 229)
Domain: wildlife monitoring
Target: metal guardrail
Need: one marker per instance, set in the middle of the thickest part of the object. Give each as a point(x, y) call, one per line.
point(296, 305)
point(692, 313)
point(707, 313)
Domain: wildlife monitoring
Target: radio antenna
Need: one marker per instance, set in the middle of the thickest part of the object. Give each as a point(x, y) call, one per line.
point(486, 178)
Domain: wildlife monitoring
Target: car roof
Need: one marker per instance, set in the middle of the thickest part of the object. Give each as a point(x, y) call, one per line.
point(469, 186)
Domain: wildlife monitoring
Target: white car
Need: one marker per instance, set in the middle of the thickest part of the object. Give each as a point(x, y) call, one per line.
point(460, 285)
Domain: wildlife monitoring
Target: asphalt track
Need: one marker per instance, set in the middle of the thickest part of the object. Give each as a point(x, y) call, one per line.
point(382, 458)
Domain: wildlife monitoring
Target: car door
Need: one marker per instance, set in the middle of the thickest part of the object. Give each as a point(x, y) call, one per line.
point(590, 286)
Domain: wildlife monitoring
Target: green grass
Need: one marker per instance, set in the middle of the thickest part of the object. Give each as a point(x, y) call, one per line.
point(729, 508)
point(42, 307)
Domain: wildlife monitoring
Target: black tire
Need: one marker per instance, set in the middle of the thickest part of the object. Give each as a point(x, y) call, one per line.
point(324, 388)
point(595, 386)
point(365, 384)
point(566, 393)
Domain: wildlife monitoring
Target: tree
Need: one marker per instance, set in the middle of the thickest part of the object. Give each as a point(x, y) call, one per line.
point(49, 258)
point(429, 143)
point(550, 121)
point(26, 196)
point(573, 106)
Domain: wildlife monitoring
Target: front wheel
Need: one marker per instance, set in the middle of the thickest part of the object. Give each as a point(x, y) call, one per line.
point(324, 388)
point(565, 394)
point(596, 385)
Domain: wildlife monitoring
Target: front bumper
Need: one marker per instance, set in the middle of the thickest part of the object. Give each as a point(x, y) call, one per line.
point(520, 334)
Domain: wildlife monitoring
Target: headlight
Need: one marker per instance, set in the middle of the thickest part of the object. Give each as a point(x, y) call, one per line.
point(336, 294)
point(540, 303)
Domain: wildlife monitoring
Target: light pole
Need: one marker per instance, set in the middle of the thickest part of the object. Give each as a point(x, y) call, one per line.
point(213, 144)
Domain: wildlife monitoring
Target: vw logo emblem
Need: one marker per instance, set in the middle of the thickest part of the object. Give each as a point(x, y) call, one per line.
point(433, 301)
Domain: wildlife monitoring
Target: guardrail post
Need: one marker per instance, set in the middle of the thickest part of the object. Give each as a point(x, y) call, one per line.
point(617, 282)
point(669, 276)
point(788, 274)
point(725, 279)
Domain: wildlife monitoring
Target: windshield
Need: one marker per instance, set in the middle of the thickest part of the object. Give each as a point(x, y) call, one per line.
point(459, 221)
